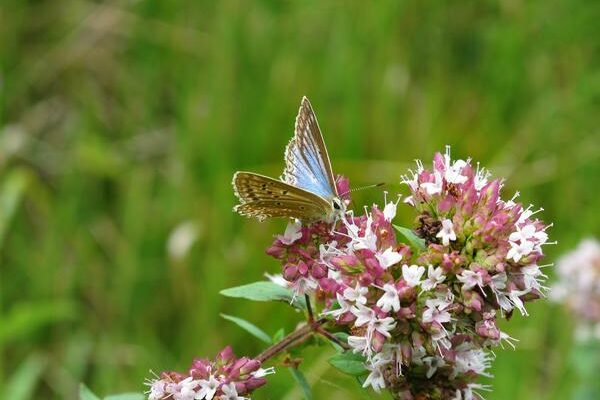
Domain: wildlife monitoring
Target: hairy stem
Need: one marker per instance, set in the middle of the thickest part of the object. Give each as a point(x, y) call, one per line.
point(290, 340)
point(312, 327)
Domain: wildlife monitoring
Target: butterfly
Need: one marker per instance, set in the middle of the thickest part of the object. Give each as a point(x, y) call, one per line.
point(306, 190)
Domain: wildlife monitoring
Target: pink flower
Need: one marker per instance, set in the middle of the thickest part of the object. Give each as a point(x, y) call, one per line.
point(223, 378)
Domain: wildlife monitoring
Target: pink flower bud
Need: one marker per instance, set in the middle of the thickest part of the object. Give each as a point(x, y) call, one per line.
point(276, 250)
point(254, 383)
point(487, 329)
point(302, 268)
point(250, 366)
point(318, 271)
point(472, 300)
point(347, 263)
point(290, 272)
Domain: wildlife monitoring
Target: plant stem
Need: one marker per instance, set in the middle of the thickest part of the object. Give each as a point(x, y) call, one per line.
point(322, 331)
point(311, 318)
point(290, 340)
point(313, 326)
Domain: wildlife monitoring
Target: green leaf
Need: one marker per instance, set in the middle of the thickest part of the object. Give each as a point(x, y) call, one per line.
point(265, 291)
point(349, 363)
point(11, 194)
point(299, 377)
point(341, 336)
point(21, 384)
point(412, 238)
point(249, 327)
point(86, 394)
point(126, 396)
point(278, 335)
point(26, 317)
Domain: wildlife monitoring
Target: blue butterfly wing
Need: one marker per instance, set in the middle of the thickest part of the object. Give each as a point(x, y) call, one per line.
point(307, 162)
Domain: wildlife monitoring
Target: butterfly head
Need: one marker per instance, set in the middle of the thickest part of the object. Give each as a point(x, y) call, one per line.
point(338, 209)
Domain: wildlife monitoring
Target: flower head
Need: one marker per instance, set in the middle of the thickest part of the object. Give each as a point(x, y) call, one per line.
point(578, 286)
point(226, 378)
point(430, 309)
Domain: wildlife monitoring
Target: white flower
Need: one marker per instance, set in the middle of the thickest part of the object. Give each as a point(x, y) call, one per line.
point(519, 250)
point(508, 339)
point(367, 241)
point(359, 344)
point(208, 387)
point(413, 180)
point(529, 232)
point(469, 390)
point(504, 301)
point(357, 294)
point(452, 174)
point(434, 187)
point(389, 300)
point(293, 232)
point(453, 169)
point(471, 387)
point(327, 251)
point(578, 286)
point(435, 276)
point(498, 282)
point(527, 236)
point(389, 211)
point(364, 315)
point(184, 390)
point(433, 363)
point(262, 372)
point(278, 279)
point(389, 353)
point(303, 286)
point(375, 379)
point(436, 312)
point(481, 178)
point(383, 358)
point(470, 279)
point(230, 392)
point(514, 297)
point(412, 275)
point(471, 360)
point(344, 307)
point(383, 325)
point(533, 277)
point(526, 214)
point(447, 232)
point(157, 390)
point(388, 258)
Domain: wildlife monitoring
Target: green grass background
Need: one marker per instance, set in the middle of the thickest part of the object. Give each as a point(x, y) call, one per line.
point(120, 120)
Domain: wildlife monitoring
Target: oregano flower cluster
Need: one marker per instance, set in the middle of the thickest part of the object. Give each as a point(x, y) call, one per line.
point(417, 307)
point(578, 287)
point(225, 378)
point(423, 314)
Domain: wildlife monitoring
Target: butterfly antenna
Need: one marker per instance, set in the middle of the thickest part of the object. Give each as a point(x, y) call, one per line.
point(362, 188)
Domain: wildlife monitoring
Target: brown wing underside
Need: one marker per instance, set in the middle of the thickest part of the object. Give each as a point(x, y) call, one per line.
point(263, 197)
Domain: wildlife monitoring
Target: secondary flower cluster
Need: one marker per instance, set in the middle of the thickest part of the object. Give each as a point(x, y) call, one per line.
point(578, 287)
point(424, 317)
point(226, 378)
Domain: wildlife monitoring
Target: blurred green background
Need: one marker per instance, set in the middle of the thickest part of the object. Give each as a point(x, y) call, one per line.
point(122, 122)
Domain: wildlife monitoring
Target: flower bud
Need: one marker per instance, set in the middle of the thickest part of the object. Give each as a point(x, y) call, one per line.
point(290, 272)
